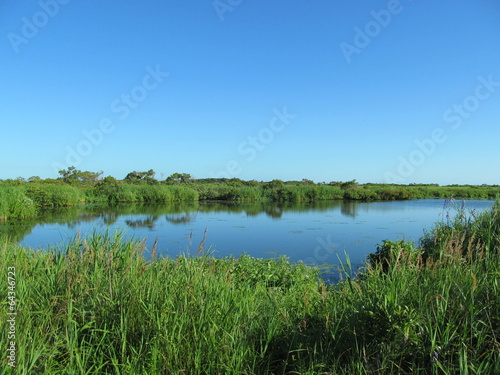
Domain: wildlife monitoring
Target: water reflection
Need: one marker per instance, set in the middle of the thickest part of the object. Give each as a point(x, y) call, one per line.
point(316, 233)
point(184, 218)
point(148, 222)
point(178, 213)
point(349, 208)
point(16, 230)
point(184, 213)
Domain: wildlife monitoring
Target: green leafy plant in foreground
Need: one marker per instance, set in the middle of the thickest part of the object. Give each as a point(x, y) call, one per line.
point(107, 305)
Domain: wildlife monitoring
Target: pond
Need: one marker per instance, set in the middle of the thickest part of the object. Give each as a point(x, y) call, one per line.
point(316, 233)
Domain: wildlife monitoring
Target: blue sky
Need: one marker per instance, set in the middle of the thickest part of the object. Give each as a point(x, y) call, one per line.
point(378, 91)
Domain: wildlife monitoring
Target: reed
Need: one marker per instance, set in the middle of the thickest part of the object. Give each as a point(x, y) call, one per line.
point(100, 305)
point(45, 195)
point(15, 204)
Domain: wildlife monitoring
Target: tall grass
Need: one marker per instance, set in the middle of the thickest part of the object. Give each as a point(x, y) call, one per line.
point(445, 296)
point(21, 199)
point(26, 200)
point(100, 306)
point(229, 193)
point(14, 203)
point(469, 233)
point(44, 195)
point(150, 193)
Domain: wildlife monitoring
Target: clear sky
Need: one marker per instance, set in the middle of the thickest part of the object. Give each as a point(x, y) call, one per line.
point(397, 91)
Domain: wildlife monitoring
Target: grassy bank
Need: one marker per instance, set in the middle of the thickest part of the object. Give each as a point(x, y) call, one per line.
point(26, 200)
point(14, 203)
point(97, 306)
point(22, 199)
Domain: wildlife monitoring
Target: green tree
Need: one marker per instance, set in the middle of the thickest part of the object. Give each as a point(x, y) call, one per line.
point(235, 182)
point(107, 187)
point(307, 182)
point(274, 184)
point(349, 184)
point(73, 175)
point(178, 178)
point(147, 177)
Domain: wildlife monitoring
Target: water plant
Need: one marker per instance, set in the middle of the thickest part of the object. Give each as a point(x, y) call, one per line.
point(14, 203)
point(76, 187)
point(99, 305)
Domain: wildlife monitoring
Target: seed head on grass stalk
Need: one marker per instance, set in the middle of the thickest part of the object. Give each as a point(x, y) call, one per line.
point(201, 246)
point(153, 249)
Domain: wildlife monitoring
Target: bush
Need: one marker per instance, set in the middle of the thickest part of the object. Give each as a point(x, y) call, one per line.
point(392, 254)
point(55, 195)
point(468, 234)
point(15, 204)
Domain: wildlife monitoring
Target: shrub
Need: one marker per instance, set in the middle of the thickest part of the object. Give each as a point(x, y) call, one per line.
point(55, 195)
point(15, 204)
point(394, 253)
point(467, 234)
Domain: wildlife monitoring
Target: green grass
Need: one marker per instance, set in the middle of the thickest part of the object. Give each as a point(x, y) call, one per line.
point(297, 192)
point(27, 200)
point(108, 305)
point(146, 193)
point(229, 193)
point(20, 199)
point(44, 195)
point(14, 203)
point(99, 307)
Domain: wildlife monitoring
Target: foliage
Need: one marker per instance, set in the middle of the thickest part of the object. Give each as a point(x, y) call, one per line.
point(390, 253)
point(54, 195)
point(349, 184)
point(142, 177)
point(15, 204)
point(87, 187)
point(476, 233)
point(108, 305)
point(272, 273)
point(178, 178)
point(108, 188)
point(73, 175)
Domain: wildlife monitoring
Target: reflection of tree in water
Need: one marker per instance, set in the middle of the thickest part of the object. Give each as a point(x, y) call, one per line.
point(15, 231)
point(184, 218)
point(83, 217)
point(349, 208)
point(110, 218)
point(272, 210)
point(177, 213)
point(276, 212)
point(149, 222)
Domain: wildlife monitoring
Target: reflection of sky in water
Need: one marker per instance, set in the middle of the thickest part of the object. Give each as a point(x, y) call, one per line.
point(315, 236)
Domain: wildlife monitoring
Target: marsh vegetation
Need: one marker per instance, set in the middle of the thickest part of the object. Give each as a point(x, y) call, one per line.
point(23, 198)
point(98, 306)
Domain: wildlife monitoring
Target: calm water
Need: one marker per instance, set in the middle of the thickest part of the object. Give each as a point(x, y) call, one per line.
point(315, 233)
